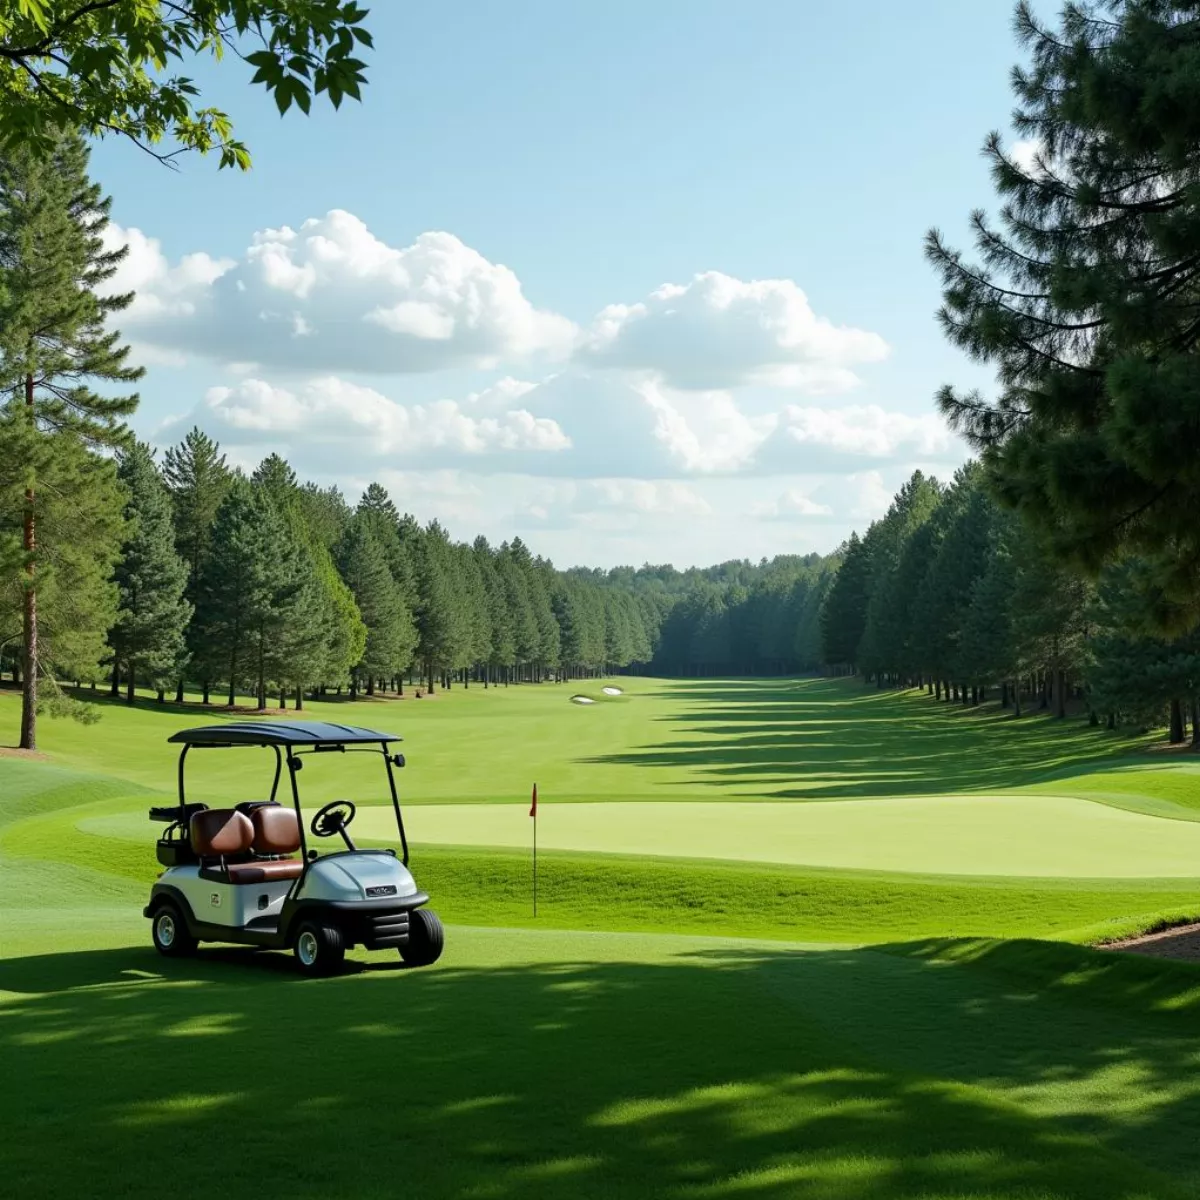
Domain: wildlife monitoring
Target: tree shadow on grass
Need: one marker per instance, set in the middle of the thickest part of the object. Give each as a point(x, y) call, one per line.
point(830, 739)
point(749, 1072)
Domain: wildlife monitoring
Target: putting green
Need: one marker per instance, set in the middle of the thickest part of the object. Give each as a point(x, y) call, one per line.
point(945, 835)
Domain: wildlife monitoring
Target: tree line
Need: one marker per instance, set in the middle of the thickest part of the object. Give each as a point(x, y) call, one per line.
point(952, 592)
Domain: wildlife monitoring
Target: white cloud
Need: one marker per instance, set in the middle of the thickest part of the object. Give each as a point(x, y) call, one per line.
point(823, 436)
point(608, 504)
point(792, 504)
point(862, 496)
point(335, 421)
point(644, 496)
point(718, 332)
point(332, 296)
point(160, 290)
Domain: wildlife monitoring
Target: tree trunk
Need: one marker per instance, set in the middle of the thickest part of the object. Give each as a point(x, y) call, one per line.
point(1004, 695)
point(1060, 693)
point(161, 697)
point(204, 692)
point(1195, 706)
point(1016, 695)
point(114, 689)
point(1176, 722)
point(282, 697)
point(29, 689)
point(1093, 718)
point(179, 692)
point(129, 683)
point(1112, 721)
point(299, 698)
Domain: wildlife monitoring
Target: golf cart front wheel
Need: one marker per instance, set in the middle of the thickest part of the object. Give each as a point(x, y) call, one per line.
point(172, 937)
point(320, 949)
point(426, 937)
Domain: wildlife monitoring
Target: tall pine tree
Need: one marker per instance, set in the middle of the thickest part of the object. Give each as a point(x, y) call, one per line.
point(54, 343)
point(148, 637)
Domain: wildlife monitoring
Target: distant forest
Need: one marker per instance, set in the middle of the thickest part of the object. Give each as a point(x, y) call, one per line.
point(1060, 571)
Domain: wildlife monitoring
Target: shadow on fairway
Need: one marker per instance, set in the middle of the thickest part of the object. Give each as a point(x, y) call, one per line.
point(931, 1070)
point(822, 739)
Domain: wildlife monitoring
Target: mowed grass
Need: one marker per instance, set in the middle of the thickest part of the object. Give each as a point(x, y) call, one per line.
point(568, 1058)
point(533, 1064)
point(868, 870)
point(806, 739)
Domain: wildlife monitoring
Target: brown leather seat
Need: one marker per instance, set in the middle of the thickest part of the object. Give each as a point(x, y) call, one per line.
point(276, 830)
point(264, 870)
point(220, 832)
point(224, 833)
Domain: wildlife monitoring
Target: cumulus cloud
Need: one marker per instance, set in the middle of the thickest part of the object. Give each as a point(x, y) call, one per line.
point(791, 505)
point(719, 332)
point(332, 296)
point(815, 436)
point(609, 504)
point(575, 425)
point(336, 420)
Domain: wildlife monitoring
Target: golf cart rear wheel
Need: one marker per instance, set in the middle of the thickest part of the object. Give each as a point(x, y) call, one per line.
point(320, 949)
point(426, 937)
point(170, 932)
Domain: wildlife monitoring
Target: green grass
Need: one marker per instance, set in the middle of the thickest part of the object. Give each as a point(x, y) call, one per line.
point(566, 1059)
point(682, 739)
point(597, 1065)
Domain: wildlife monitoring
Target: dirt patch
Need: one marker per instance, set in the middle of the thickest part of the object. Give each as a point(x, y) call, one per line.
point(1180, 942)
point(31, 755)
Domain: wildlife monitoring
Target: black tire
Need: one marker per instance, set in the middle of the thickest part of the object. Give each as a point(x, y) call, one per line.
point(426, 937)
point(170, 933)
point(320, 949)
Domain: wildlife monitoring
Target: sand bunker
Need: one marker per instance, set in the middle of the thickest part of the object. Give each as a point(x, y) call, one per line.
point(612, 691)
point(582, 700)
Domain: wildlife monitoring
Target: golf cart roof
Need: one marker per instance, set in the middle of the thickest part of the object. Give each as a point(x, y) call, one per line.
point(279, 733)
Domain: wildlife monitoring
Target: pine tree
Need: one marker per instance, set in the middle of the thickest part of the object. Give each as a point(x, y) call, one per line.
point(246, 588)
point(80, 524)
point(1085, 298)
point(197, 476)
point(440, 625)
point(390, 633)
point(148, 637)
point(881, 649)
point(844, 616)
point(54, 343)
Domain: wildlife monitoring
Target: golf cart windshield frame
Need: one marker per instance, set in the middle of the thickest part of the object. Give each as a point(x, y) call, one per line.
point(295, 739)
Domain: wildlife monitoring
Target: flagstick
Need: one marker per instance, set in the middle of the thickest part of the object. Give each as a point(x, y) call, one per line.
point(535, 863)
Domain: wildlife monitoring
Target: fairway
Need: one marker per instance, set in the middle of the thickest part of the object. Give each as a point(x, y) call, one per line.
point(558, 1055)
point(967, 835)
point(566, 1064)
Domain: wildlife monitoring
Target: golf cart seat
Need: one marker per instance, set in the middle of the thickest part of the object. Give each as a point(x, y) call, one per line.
point(276, 832)
point(224, 834)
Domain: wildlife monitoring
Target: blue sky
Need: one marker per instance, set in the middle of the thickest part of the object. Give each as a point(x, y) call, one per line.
point(640, 281)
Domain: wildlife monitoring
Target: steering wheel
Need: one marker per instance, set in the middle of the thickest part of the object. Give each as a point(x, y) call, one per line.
point(333, 819)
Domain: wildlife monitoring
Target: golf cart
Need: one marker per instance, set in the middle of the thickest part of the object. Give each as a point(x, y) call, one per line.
point(232, 874)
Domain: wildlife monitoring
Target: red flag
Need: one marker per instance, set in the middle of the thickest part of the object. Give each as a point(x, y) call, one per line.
point(533, 807)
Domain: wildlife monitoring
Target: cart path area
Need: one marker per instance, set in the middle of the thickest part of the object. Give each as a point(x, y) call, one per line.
point(948, 835)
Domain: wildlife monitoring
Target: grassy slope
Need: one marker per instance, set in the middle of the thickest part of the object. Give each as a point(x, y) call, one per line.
point(536, 1063)
point(550, 1064)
